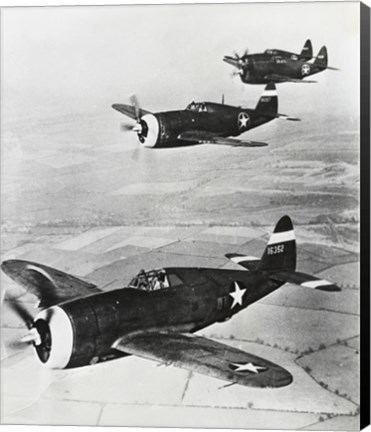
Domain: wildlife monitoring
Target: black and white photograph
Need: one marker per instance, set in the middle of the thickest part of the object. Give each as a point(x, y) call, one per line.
point(180, 215)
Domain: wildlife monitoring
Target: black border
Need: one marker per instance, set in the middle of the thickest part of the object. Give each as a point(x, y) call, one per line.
point(365, 215)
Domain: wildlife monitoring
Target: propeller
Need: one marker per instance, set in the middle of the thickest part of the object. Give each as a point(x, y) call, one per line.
point(32, 337)
point(37, 336)
point(241, 59)
point(138, 126)
point(126, 127)
point(134, 101)
point(21, 312)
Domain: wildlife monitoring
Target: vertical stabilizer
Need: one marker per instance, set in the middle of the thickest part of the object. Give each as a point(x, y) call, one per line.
point(280, 253)
point(268, 102)
point(307, 51)
point(321, 59)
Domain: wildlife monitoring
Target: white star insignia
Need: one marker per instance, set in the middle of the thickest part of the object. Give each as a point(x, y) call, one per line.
point(305, 69)
point(250, 367)
point(243, 119)
point(237, 295)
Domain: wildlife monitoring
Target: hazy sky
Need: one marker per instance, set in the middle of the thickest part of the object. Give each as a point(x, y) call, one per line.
point(67, 59)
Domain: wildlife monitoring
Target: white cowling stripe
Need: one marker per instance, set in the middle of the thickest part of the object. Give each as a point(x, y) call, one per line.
point(61, 336)
point(153, 130)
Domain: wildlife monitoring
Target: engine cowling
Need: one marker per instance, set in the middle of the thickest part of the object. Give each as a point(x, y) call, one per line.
point(56, 337)
point(162, 129)
point(149, 135)
point(82, 331)
point(74, 334)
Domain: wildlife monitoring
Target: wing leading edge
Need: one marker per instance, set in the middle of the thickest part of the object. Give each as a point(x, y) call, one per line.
point(49, 285)
point(129, 110)
point(205, 356)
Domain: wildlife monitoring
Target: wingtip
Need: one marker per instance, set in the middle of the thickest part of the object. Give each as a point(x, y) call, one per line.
point(329, 288)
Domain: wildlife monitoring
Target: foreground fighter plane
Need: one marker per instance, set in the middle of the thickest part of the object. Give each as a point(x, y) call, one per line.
point(155, 316)
point(202, 122)
point(279, 66)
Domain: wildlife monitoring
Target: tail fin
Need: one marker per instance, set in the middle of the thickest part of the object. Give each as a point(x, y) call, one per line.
point(321, 59)
point(268, 102)
point(280, 253)
point(307, 51)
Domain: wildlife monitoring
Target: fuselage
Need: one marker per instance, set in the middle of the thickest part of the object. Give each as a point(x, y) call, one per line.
point(262, 68)
point(194, 299)
point(162, 129)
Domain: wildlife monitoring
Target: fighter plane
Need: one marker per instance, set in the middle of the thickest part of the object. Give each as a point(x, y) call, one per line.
point(202, 122)
point(156, 315)
point(279, 66)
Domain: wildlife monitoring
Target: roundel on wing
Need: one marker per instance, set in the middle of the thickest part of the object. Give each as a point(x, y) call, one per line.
point(243, 120)
point(305, 69)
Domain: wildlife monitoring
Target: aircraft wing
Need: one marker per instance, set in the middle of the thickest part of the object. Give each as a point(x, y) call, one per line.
point(129, 110)
point(204, 137)
point(49, 285)
point(205, 356)
point(281, 78)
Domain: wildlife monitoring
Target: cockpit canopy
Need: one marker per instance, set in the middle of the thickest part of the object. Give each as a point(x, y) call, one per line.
point(197, 107)
point(271, 51)
point(154, 280)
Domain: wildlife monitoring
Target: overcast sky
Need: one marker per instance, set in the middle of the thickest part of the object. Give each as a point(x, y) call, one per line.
point(67, 59)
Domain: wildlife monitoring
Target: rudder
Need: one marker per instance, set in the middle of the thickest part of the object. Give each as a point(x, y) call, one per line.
point(321, 59)
point(280, 253)
point(307, 51)
point(268, 102)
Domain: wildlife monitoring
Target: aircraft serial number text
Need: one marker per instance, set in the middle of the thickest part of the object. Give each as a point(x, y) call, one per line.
point(272, 250)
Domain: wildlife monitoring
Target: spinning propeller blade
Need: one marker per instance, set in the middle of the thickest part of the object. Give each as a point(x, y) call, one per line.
point(21, 312)
point(134, 101)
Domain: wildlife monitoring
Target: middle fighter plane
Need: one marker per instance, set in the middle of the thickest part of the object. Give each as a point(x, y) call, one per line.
point(202, 122)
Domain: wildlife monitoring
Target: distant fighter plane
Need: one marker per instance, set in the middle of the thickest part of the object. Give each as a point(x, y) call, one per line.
point(202, 122)
point(155, 316)
point(279, 66)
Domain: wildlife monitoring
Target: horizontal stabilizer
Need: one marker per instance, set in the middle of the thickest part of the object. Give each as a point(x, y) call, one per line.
point(304, 280)
point(287, 117)
point(248, 262)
